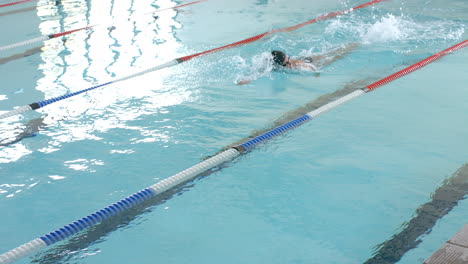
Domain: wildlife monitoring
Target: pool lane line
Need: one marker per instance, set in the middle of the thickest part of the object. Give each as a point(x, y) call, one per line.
point(37, 105)
point(41, 38)
point(26, 9)
point(15, 3)
point(56, 35)
point(30, 129)
point(443, 200)
point(204, 166)
point(21, 55)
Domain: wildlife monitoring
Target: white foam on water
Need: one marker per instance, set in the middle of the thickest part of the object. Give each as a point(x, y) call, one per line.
point(402, 32)
point(391, 28)
point(261, 65)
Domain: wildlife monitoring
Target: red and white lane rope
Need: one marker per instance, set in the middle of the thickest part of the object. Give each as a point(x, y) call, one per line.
point(287, 29)
point(416, 66)
point(387, 79)
point(56, 35)
point(39, 39)
point(15, 3)
point(248, 145)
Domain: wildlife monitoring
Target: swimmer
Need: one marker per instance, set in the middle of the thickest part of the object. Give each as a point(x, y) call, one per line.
point(282, 61)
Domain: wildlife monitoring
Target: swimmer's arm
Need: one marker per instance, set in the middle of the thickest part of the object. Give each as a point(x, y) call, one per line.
point(313, 68)
point(244, 81)
point(315, 71)
point(299, 64)
point(310, 66)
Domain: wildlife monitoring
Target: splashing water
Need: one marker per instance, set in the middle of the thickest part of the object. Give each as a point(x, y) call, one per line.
point(261, 65)
point(391, 28)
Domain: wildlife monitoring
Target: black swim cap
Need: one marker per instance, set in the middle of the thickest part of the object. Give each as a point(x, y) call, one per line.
point(278, 57)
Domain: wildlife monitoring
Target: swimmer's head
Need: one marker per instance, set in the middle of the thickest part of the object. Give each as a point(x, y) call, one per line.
point(278, 57)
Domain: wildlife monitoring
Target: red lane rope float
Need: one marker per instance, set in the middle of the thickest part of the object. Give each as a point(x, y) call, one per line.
point(15, 3)
point(287, 29)
point(416, 66)
point(239, 43)
point(327, 16)
point(37, 105)
point(51, 36)
point(56, 35)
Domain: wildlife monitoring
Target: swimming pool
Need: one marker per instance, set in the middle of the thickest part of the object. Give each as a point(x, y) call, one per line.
point(330, 191)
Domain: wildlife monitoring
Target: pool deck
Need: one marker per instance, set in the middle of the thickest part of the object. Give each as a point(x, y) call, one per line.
point(454, 251)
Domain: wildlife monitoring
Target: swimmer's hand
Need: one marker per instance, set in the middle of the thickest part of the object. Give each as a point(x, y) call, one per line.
point(242, 82)
point(314, 70)
point(312, 67)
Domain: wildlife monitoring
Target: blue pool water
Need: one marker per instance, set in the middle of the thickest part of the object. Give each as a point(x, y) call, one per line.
point(330, 191)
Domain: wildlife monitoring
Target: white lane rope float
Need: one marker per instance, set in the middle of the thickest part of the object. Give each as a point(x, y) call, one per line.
point(192, 172)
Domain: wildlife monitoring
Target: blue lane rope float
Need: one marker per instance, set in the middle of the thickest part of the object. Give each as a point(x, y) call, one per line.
point(248, 145)
point(97, 217)
point(37, 105)
point(192, 172)
point(115, 208)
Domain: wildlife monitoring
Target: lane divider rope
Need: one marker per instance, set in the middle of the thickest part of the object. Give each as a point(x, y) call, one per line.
point(15, 3)
point(56, 35)
point(24, 54)
point(192, 172)
point(416, 66)
point(37, 105)
point(31, 8)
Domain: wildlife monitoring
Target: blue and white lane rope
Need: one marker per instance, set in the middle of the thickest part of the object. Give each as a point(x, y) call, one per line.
point(162, 186)
point(37, 105)
point(115, 208)
point(189, 174)
point(250, 144)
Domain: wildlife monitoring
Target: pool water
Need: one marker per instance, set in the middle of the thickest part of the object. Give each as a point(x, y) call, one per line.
point(330, 191)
